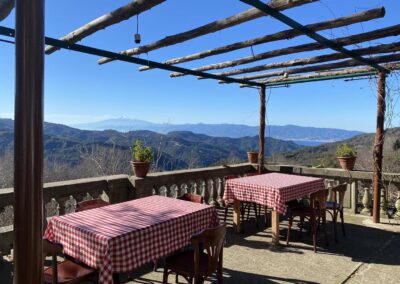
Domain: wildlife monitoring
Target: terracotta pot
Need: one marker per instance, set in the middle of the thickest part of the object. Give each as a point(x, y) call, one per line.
point(253, 157)
point(347, 163)
point(140, 169)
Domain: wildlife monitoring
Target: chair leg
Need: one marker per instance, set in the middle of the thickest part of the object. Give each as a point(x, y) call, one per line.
point(301, 226)
point(255, 212)
point(219, 275)
point(248, 211)
point(165, 276)
point(176, 278)
point(325, 231)
point(342, 220)
point(226, 213)
point(334, 219)
point(289, 228)
point(314, 231)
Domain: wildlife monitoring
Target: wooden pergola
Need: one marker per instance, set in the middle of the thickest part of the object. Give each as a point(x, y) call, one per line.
point(30, 50)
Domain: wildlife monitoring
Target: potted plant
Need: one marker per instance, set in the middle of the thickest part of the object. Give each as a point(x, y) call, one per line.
point(346, 156)
point(252, 155)
point(142, 157)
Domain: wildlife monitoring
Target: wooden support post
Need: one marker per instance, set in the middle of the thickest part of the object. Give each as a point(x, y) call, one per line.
point(261, 133)
point(378, 148)
point(28, 150)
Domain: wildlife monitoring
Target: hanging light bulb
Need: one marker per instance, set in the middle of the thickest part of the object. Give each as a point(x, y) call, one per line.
point(137, 34)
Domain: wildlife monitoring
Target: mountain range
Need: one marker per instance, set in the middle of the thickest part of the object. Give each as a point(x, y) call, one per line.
point(308, 136)
point(74, 153)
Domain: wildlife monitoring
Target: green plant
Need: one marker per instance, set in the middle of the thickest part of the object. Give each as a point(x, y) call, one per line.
point(140, 153)
point(345, 150)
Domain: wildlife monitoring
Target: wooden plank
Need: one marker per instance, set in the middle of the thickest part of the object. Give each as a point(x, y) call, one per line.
point(383, 48)
point(275, 227)
point(358, 38)
point(236, 216)
point(121, 14)
point(286, 34)
point(212, 27)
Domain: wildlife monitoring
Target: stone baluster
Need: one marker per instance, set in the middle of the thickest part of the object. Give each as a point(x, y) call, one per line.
point(70, 205)
point(203, 189)
point(174, 191)
point(397, 205)
point(195, 188)
point(383, 202)
point(220, 201)
point(87, 197)
point(211, 190)
point(184, 188)
point(366, 201)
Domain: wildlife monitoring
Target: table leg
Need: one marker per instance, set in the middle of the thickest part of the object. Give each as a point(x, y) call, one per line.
point(275, 227)
point(266, 216)
point(236, 215)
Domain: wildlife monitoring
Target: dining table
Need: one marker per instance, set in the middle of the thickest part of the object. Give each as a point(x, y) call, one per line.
point(271, 190)
point(122, 237)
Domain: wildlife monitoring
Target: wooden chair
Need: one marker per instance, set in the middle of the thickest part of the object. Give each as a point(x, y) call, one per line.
point(199, 264)
point(316, 211)
point(67, 271)
point(192, 197)
point(335, 207)
point(90, 204)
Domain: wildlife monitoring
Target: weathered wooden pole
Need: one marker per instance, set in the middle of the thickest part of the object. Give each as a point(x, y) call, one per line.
point(261, 133)
point(28, 150)
point(378, 147)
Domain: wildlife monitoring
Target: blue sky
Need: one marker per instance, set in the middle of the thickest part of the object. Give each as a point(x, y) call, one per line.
point(78, 90)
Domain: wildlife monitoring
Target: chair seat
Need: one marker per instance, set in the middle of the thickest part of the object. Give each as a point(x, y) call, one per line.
point(68, 271)
point(183, 263)
point(331, 205)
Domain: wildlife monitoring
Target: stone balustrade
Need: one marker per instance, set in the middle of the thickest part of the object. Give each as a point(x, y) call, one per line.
point(61, 197)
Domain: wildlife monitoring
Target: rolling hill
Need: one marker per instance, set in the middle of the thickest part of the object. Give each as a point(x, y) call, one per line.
point(74, 153)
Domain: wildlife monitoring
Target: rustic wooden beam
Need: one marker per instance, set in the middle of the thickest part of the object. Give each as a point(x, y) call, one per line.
point(327, 75)
point(311, 34)
point(378, 147)
point(383, 48)
point(261, 133)
point(218, 25)
point(28, 145)
point(286, 34)
point(121, 14)
point(358, 38)
point(329, 66)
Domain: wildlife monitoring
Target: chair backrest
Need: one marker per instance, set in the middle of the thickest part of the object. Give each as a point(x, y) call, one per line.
point(338, 193)
point(212, 241)
point(318, 199)
point(53, 249)
point(192, 197)
point(90, 204)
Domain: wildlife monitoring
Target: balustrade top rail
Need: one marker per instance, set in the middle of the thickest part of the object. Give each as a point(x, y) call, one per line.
point(119, 188)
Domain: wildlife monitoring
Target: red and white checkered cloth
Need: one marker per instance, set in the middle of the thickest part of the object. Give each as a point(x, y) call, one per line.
point(272, 190)
point(121, 237)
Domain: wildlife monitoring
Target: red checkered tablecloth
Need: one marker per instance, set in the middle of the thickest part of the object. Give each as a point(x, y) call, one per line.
point(121, 237)
point(272, 190)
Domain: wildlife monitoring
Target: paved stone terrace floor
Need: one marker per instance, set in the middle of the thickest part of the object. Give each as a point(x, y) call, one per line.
point(368, 254)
